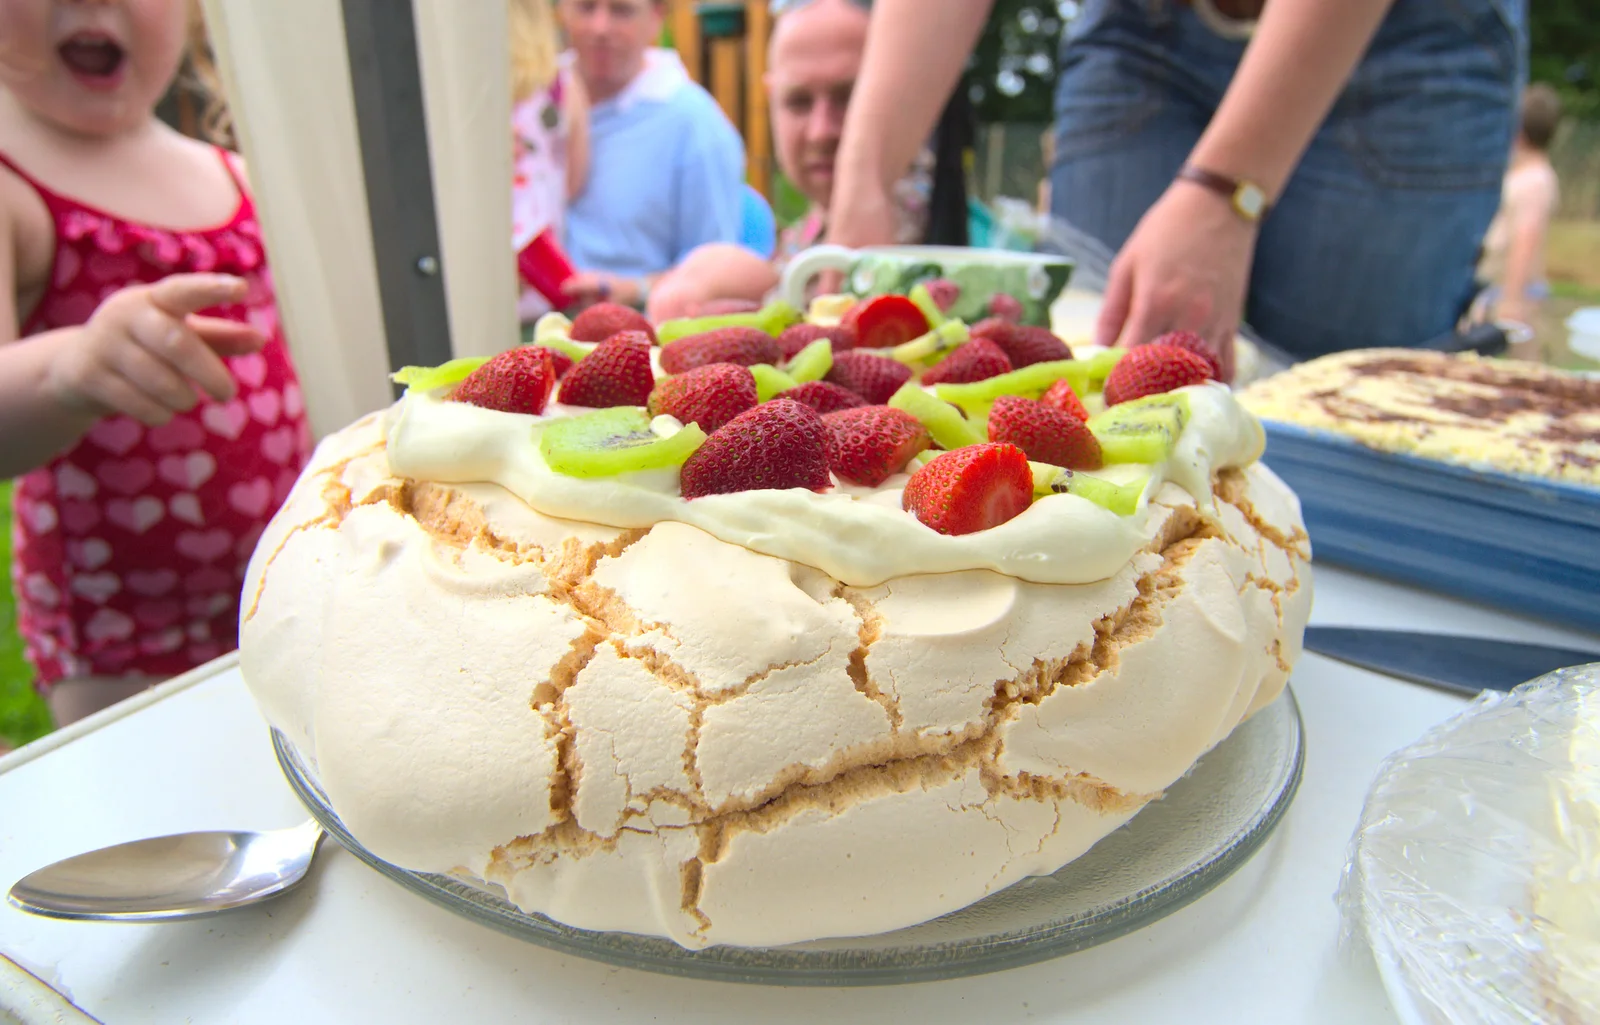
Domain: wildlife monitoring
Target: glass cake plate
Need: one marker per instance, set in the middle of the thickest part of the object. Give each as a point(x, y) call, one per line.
point(1173, 851)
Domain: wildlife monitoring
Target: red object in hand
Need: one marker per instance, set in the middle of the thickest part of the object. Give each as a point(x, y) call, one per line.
point(545, 267)
point(884, 321)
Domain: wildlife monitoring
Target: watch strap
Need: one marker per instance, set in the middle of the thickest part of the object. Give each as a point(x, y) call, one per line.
point(1233, 189)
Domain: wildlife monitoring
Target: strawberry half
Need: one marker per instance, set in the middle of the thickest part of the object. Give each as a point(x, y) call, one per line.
point(602, 320)
point(778, 444)
point(1195, 344)
point(943, 292)
point(616, 373)
point(746, 346)
point(1062, 397)
point(1044, 433)
point(872, 377)
point(517, 381)
point(970, 489)
point(709, 396)
point(1153, 369)
point(976, 360)
point(797, 336)
point(824, 396)
point(884, 321)
point(1023, 344)
point(868, 445)
point(1006, 307)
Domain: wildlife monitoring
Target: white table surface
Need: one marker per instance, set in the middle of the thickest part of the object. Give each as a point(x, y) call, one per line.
point(350, 947)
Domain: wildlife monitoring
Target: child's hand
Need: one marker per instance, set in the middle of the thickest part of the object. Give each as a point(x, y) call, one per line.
point(145, 351)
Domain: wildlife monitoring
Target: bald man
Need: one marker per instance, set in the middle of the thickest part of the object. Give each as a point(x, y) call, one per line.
point(813, 58)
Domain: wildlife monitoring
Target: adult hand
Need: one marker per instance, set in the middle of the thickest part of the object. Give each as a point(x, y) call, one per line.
point(586, 288)
point(864, 218)
point(146, 351)
point(1185, 268)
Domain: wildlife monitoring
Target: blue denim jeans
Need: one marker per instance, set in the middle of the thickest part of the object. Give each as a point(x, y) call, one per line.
point(1376, 235)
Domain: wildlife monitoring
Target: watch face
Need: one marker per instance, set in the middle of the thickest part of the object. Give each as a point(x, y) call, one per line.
point(1250, 201)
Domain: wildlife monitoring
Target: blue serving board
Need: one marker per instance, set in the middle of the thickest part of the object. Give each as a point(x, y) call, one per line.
point(1521, 543)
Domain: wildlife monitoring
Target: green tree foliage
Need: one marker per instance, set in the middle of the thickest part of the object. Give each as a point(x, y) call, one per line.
point(1564, 50)
point(1011, 76)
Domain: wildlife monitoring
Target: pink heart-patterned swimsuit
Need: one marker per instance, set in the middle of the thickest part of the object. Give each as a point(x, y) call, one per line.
point(130, 548)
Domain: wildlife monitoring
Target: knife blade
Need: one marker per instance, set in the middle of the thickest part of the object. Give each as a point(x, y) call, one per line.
point(1453, 662)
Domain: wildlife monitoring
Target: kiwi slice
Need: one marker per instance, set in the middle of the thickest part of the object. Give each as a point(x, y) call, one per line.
point(612, 441)
point(944, 422)
point(935, 345)
point(771, 381)
point(1122, 499)
point(1142, 431)
point(429, 378)
point(1029, 382)
point(811, 363)
point(923, 299)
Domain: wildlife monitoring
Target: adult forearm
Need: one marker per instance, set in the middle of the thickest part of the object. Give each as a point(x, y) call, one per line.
point(34, 425)
point(1298, 62)
point(915, 52)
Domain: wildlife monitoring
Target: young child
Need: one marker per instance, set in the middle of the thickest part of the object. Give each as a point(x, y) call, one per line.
point(549, 123)
point(1513, 249)
point(154, 441)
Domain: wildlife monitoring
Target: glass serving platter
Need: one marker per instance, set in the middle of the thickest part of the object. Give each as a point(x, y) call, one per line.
point(1208, 824)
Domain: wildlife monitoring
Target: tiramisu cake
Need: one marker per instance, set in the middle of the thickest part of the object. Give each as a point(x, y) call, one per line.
point(1511, 417)
point(758, 631)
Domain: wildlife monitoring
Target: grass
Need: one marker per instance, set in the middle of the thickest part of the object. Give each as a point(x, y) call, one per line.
point(23, 716)
point(1572, 263)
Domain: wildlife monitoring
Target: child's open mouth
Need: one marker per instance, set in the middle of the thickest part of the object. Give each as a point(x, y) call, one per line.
point(95, 60)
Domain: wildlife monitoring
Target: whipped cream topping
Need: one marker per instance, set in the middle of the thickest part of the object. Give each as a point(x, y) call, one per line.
point(858, 536)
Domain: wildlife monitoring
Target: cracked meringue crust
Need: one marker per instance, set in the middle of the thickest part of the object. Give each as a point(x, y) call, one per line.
point(652, 730)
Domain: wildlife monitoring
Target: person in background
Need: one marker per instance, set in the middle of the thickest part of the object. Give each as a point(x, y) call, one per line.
point(549, 135)
point(147, 397)
point(1326, 166)
point(814, 55)
point(1513, 249)
point(666, 167)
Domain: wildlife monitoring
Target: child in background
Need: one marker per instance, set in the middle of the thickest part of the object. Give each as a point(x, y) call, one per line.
point(1513, 249)
point(147, 398)
point(549, 122)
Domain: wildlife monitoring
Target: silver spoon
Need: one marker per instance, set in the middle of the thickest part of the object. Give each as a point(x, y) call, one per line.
point(168, 877)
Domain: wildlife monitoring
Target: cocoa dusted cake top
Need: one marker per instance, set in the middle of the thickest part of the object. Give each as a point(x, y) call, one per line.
point(1501, 415)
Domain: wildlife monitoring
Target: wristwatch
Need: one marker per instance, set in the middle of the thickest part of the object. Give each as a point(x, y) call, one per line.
point(1248, 199)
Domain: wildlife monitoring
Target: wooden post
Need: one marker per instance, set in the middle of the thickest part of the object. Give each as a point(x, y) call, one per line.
point(757, 132)
point(686, 35)
point(725, 54)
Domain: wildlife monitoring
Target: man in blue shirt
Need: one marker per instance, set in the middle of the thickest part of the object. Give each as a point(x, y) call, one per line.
point(666, 168)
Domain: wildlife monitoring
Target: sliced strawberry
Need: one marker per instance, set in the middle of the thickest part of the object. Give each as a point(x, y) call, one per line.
point(1153, 369)
point(1195, 344)
point(602, 320)
point(778, 444)
point(868, 445)
point(976, 360)
point(517, 381)
point(1006, 307)
point(709, 396)
point(884, 321)
point(616, 373)
point(943, 292)
point(797, 336)
point(1024, 344)
point(746, 346)
point(870, 376)
point(1044, 433)
point(1062, 397)
point(824, 396)
point(971, 489)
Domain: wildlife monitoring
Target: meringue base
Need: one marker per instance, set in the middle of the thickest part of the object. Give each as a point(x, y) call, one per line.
point(657, 732)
